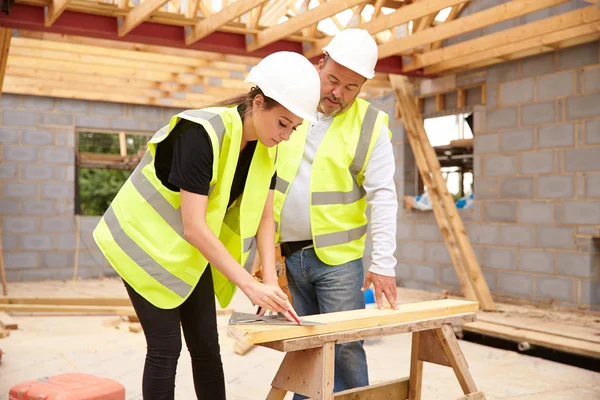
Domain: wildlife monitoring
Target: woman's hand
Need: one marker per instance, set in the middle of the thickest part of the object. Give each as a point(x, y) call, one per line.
point(270, 297)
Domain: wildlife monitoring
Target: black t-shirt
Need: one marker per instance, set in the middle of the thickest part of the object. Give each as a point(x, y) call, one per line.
point(184, 160)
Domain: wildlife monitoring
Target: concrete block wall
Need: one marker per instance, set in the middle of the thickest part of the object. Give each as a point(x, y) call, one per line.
point(37, 171)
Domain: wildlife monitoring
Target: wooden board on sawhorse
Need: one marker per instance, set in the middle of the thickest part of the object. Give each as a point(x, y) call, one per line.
point(308, 366)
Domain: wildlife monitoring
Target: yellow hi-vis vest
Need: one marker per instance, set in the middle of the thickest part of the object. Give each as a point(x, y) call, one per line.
point(337, 199)
point(141, 234)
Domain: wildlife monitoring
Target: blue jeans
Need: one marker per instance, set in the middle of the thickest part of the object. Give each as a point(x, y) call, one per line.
point(318, 288)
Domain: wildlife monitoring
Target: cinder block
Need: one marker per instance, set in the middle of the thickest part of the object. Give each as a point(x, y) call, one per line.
point(516, 188)
point(536, 261)
point(20, 153)
point(66, 241)
point(448, 276)
point(515, 92)
point(107, 108)
point(74, 106)
point(500, 211)
point(559, 135)
point(590, 292)
point(429, 106)
point(36, 172)
point(582, 159)
point(9, 207)
point(577, 264)
point(491, 278)
point(517, 140)
point(592, 131)
point(550, 187)
point(425, 273)
point(587, 106)
point(438, 253)
point(491, 96)
point(536, 162)
point(555, 288)
point(38, 102)
point(237, 74)
point(426, 232)
point(36, 242)
point(10, 242)
point(500, 165)
point(486, 143)
point(538, 113)
point(560, 84)
point(479, 119)
point(88, 223)
point(403, 231)
point(8, 135)
point(570, 6)
point(581, 212)
point(501, 258)
point(140, 111)
point(56, 119)
point(536, 212)
point(65, 206)
point(8, 171)
point(402, 271)
point(87, 121)
point(503, 72)
point(9, 100)
point(592, 185)
point(578, 56)
point(37, 207)
point(91, 259)
point(450, 100)
point(19, 118)
point(38, 275)
point(591, 80)
point(518, 284)
point(483, 234)
point(412, 251)
point(57, 224)
point(19, 189)
point(473, 96)
point(501, 26)
point(150, 126)
point(57, 259)
point(536, 16)
point(517, 235)
point(538, 65)
point(123, 123)
point(38, 138)
point(21, 260)
point(65, 139)
point(550, 237)
point(19, 224)
point(503, 118)
point(58, 155)
point(487, 188)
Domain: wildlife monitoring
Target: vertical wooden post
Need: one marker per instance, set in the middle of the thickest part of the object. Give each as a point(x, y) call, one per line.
point(123, 143)
point(5, 36)
point(2, 270)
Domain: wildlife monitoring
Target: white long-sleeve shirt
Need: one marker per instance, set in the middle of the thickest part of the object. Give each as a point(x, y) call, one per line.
point(379, 187)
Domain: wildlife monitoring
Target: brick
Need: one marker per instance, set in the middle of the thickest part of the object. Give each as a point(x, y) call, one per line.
point(38, 102)
point(582, 159)
point(517, 140)
point(56, 190)
point(19, 189)
point(515, 92)
point(58, 156)
point(560, 84)
point(577, 264)
point(36, 242)
point(549, 237)
point(19, 118)
point(500, 211)
point(518, 284)
point(538, 113)
point(19, 224)
point(592, 132)
point(587, 106)
point(9, 100)
point(9, 207)
point(578, 56)
point(426, 232)
point(74, 106)
point(57, 259)
point(8, 171)
point(438, 253)
point(503, 118)
point(487, 188)
point(38, 138)
point(106, 108)
point(590, 292)
point(555, 288)
point(425, 273)
point(412, 251)
point(483, 234)
point(516, 188)
point(536, 261)
point(56, 119)
point(21, 260)
point(57, 224)
point(500, 165)
point(36, 172)
point(536, 212)
point(503, 72)
point(592, 185)
point(20, 153)
point(581, 212)
point(558, 135)
point(536, 162)
point(551, 187)
point(8, 135)
point(123, 123)
point(516, 235)
point(591, 80)
point(448, 276)
point(86, 121)
point(486, 143)
point(9, 242)
point(538, 65)
point(37, 207)
point(501, 258)
point(66, 241)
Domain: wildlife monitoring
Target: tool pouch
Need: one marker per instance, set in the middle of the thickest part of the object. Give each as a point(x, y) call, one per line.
point(280, 268)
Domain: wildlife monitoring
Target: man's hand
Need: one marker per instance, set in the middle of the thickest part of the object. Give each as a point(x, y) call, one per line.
point(382, 284)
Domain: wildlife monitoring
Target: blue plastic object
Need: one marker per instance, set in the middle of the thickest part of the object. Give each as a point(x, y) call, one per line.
point(369, 296)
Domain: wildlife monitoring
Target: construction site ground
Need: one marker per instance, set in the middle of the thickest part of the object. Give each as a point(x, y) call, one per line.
point(46, 345)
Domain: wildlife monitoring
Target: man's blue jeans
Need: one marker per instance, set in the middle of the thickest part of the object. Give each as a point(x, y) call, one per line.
point(318, 288)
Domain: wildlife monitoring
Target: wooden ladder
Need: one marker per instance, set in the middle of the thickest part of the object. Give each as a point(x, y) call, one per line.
point(472, 281)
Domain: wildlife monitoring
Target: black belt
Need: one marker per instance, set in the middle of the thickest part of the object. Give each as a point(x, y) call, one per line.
point(289, 248)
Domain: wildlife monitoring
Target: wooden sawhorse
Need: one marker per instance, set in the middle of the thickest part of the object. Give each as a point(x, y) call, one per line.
point(308, 366)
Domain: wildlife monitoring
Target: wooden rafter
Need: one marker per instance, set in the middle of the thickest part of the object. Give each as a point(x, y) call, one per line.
point(138, 15)
point(275, 10)
point(255, 15)
point(454, 13)
point(54, 10)
point(192, 8)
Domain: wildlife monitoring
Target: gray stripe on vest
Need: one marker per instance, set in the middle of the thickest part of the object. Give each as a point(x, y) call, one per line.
point(333, 239)
point(214, 119)
point(141, 258)
point(248, 242)
point(281, 185)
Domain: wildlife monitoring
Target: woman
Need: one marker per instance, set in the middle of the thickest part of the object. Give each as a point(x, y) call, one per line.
point(200, 197)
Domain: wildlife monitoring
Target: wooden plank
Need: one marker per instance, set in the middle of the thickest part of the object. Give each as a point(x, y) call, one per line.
point(503, 12)
point(361, 334)
point(138, 15)
point(7, 322)
point(456, 358)
point(123, 144)
point(72, 301)
point(5, 40)
point(430, 349)
point(54, 308)
point(352, 320)
point(54, 10)
point(415, 383)
point(473, 396)
point(218, 19)
point(397, 389)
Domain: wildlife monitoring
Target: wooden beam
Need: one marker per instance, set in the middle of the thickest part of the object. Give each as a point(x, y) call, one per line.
point(192, 8)
point(513, 35)
point(299, 22)
point(73, 301)
point(397, 389)
point(217, 20)
point(454, 13)
point(7, 322)
point(5, 39)
point(54, 10)
point(138, 15)
point(503, 12)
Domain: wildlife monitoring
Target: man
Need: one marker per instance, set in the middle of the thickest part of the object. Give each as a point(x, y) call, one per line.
point(327, 174)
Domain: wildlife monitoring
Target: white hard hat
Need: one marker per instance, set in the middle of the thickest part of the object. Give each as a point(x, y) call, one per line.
point(355, 49)
point(291, 80)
